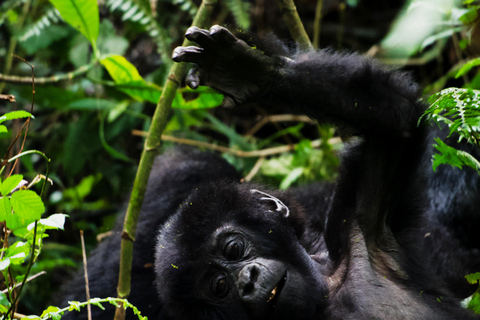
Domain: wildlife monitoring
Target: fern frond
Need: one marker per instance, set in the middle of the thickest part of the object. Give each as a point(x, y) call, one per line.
point(135, 13)
point(52, 16)
point(460, 110)
point(240, 10)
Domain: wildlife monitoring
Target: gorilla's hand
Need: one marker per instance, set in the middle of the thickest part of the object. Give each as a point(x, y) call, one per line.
point(228, 64)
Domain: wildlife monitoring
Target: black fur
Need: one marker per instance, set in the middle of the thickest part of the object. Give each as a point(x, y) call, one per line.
point(378, 244)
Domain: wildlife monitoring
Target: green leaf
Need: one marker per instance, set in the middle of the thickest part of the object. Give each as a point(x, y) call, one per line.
point(470, 16)
point(82, 15)
point(52, 312)
point(467, 67)
point(121, 70)
point(4, 303)
point(5, 209)
point(10, 183)
point(129, 81)
point(3, 129)
point(473, 278)
point(28, 207)
point(291, 178)
point(474, 303)
point(453, 157)
point(15, 115)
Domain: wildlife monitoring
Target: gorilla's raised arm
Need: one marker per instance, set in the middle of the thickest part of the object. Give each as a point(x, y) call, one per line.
point(344, 89)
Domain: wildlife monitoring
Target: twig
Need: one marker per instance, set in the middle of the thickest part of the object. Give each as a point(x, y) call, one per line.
point(9, 97)
point(238, 153)
point(30, 264)
point(41, 273)
point(85, 272)
point(50, 79)
point(278, 118)
point(27, 122)
point(255, 169)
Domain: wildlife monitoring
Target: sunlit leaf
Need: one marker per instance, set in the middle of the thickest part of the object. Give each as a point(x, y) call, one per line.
point(10, 183)
point(27, 207)
point(15, 115)
point(82, 15)
point(467, 67)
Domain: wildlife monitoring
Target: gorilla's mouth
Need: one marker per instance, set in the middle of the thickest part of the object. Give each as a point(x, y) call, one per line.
point(272, 299)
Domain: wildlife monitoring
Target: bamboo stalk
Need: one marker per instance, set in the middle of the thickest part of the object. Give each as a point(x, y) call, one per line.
point(151, 148)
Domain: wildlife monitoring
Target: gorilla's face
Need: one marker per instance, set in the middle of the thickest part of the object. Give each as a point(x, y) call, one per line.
point(232, 253)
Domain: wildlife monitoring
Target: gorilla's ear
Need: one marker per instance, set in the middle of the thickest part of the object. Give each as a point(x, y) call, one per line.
point(280, 206)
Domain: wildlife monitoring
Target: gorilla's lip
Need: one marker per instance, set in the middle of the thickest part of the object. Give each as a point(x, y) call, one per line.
point(276, 291)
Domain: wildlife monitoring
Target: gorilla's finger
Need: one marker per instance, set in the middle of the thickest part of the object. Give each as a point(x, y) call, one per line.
point(193, 78)
point(188, 54)
point(228, 102)
point(221, 34)
point(200, 36)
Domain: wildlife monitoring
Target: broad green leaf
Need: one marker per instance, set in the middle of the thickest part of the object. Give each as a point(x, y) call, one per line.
point(3, 129)
point(5, 209)
point(121, 70)
point(10, 183)
point(467, 67)
point(4, 303)
point(82, 15)
point(15, 115)
point(28, 207)
point(129, 81)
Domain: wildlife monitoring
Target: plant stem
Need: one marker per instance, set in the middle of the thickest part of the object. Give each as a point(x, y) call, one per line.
point(51, 79)
point(317, 24)
point(150, 151)
point(294, 24)
point(13, 42)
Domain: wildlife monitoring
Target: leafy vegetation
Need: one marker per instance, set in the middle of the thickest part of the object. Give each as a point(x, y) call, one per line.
point(99, 71)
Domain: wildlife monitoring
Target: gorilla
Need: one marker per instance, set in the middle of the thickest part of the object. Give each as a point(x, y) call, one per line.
point(376, 244)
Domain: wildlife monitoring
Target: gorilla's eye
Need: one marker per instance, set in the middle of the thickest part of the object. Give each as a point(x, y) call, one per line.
point(220, 286)
point(233, 249)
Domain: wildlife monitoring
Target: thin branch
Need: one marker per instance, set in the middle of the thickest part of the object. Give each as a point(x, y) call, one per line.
point(238, 153)
point(278, 118)
point(9, 97)
point(255, 169)
point(41, 273)
point(85, 272)
point(50, 79)
point(30, 264)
